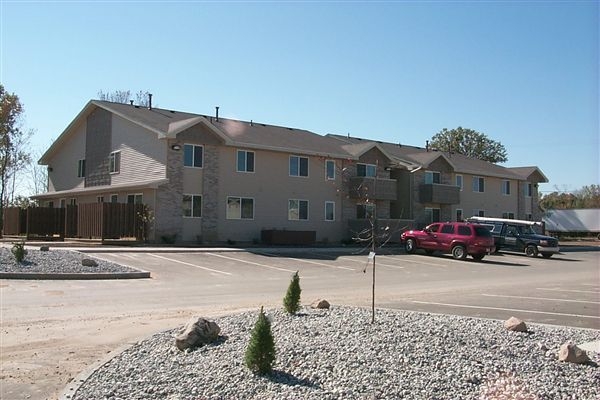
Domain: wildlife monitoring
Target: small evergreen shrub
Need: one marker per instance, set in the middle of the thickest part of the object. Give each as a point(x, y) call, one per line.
point(260, 353)
point(291, 301)
point(19, 251)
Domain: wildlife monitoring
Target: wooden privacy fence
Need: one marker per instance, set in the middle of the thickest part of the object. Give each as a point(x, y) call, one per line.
point(89, 221)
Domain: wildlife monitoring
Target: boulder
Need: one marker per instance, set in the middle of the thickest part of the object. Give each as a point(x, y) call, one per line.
point(321, 304)
point(197, 332)
point(88, 262)
point(515, 325)
point(571, 353)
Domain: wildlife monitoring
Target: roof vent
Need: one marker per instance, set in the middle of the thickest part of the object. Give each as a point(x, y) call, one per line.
point(217, 113)
point(149, 101)
point(131, 102)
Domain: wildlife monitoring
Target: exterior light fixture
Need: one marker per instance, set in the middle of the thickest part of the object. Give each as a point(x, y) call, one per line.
point(176, 147)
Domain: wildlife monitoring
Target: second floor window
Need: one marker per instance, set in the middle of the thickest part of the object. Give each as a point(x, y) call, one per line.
point(367, 170)
point(478, 184)
point(459, 181)
point(506, 187)
point(432, 177)
point(245, 161)
point(114, 162)
point(80, 168)
point(528, 190)
point(298, 166)
point(193, 155)
point(330, 169)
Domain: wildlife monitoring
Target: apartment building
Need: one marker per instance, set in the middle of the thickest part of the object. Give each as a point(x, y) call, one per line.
point(211, 179)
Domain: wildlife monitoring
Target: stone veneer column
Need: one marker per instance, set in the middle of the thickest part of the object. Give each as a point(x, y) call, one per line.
point(168, 214)
point(210, 194)
point(98, 138)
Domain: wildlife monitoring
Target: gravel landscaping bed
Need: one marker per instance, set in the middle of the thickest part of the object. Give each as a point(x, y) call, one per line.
point(56, 261)
point(338, 354)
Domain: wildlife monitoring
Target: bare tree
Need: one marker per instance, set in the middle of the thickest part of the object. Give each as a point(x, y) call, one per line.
point(140, 98)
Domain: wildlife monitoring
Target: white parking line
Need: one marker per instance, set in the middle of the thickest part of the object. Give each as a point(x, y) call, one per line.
point(250, 262)
point(503, 309)
point(190, 264)
point(309, 262)
point(377, 263)
point(568, 290)
point(539, 298)
point(412, 260)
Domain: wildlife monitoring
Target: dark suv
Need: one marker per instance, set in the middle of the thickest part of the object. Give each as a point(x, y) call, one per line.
point(456, 238)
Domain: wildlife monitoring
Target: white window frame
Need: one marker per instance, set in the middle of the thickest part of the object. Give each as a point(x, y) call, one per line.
point(462, 181)
point(508, 215)
point(327, 164)
point(73, 201)
point(429, 211)
point(462, 215)
point(479, 187)
point(506, 187)
point(237, 214)
point(430, 177)
point(136, 196)
point(192, 208)
point(100, 199)
point(245, 161)
point(115, 197)
point(368, 168)
point(291, 208)
point(194, 147)
point(478, 212)
point(114, 162)
point(528, 189)
point(332, 205)
point(297, 159)
point(62, 203)
point(81, 168)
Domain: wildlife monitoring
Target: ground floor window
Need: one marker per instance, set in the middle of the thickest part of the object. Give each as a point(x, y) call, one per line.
point(240, 208)
point(192, 205)
point(433, 214)
point(297, 209)
point(459, 215)
point(508, 215)
point(329, 211)
point(136, 198)
point(478, 213)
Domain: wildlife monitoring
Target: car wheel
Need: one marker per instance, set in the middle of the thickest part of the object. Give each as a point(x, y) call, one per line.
point(459, 252)
point(546, 255)
point(478, 257)
point(531, 251)
point(410, 246)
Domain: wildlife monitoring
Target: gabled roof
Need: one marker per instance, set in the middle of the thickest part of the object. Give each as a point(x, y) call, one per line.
point(424, 157)
point(526, 173)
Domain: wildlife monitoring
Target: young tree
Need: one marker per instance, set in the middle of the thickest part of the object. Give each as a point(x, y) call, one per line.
point(291, 301)
point(12, 139)
point(469, 143)
point(260, 353)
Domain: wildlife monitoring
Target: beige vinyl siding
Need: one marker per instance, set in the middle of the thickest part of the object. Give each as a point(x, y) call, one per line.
point(144, 162)
point(271, 187)
point(64, 162)
point(491, 200)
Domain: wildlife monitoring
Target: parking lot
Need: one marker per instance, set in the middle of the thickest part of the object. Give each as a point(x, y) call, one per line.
point(51, 330)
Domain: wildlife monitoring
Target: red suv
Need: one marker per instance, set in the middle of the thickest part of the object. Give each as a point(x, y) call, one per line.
point(457, 238)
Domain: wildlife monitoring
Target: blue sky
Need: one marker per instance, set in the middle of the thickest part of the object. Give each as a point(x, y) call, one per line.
point(523, 73)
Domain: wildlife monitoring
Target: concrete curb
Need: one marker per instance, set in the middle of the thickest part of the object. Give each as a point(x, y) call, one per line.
point(74, 276)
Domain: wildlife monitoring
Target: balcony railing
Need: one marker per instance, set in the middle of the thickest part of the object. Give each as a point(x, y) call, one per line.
point(439, 193)
point(361, 187)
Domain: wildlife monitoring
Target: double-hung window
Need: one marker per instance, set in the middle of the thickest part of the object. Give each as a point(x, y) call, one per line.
point(240, 208)
point(478, 184)
point(114, 162)
point(506, 187)
point(459, 182)
point(330, 170)
point(192, 205)
point(114, 198)
point(528, 190)
point(245, 161)
point(80, 168)
point(193, 155)
point(432, 177)
point(297, 210)
point(136, 198)
point(329, 211)
point(366, 170)
point(298, 166)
